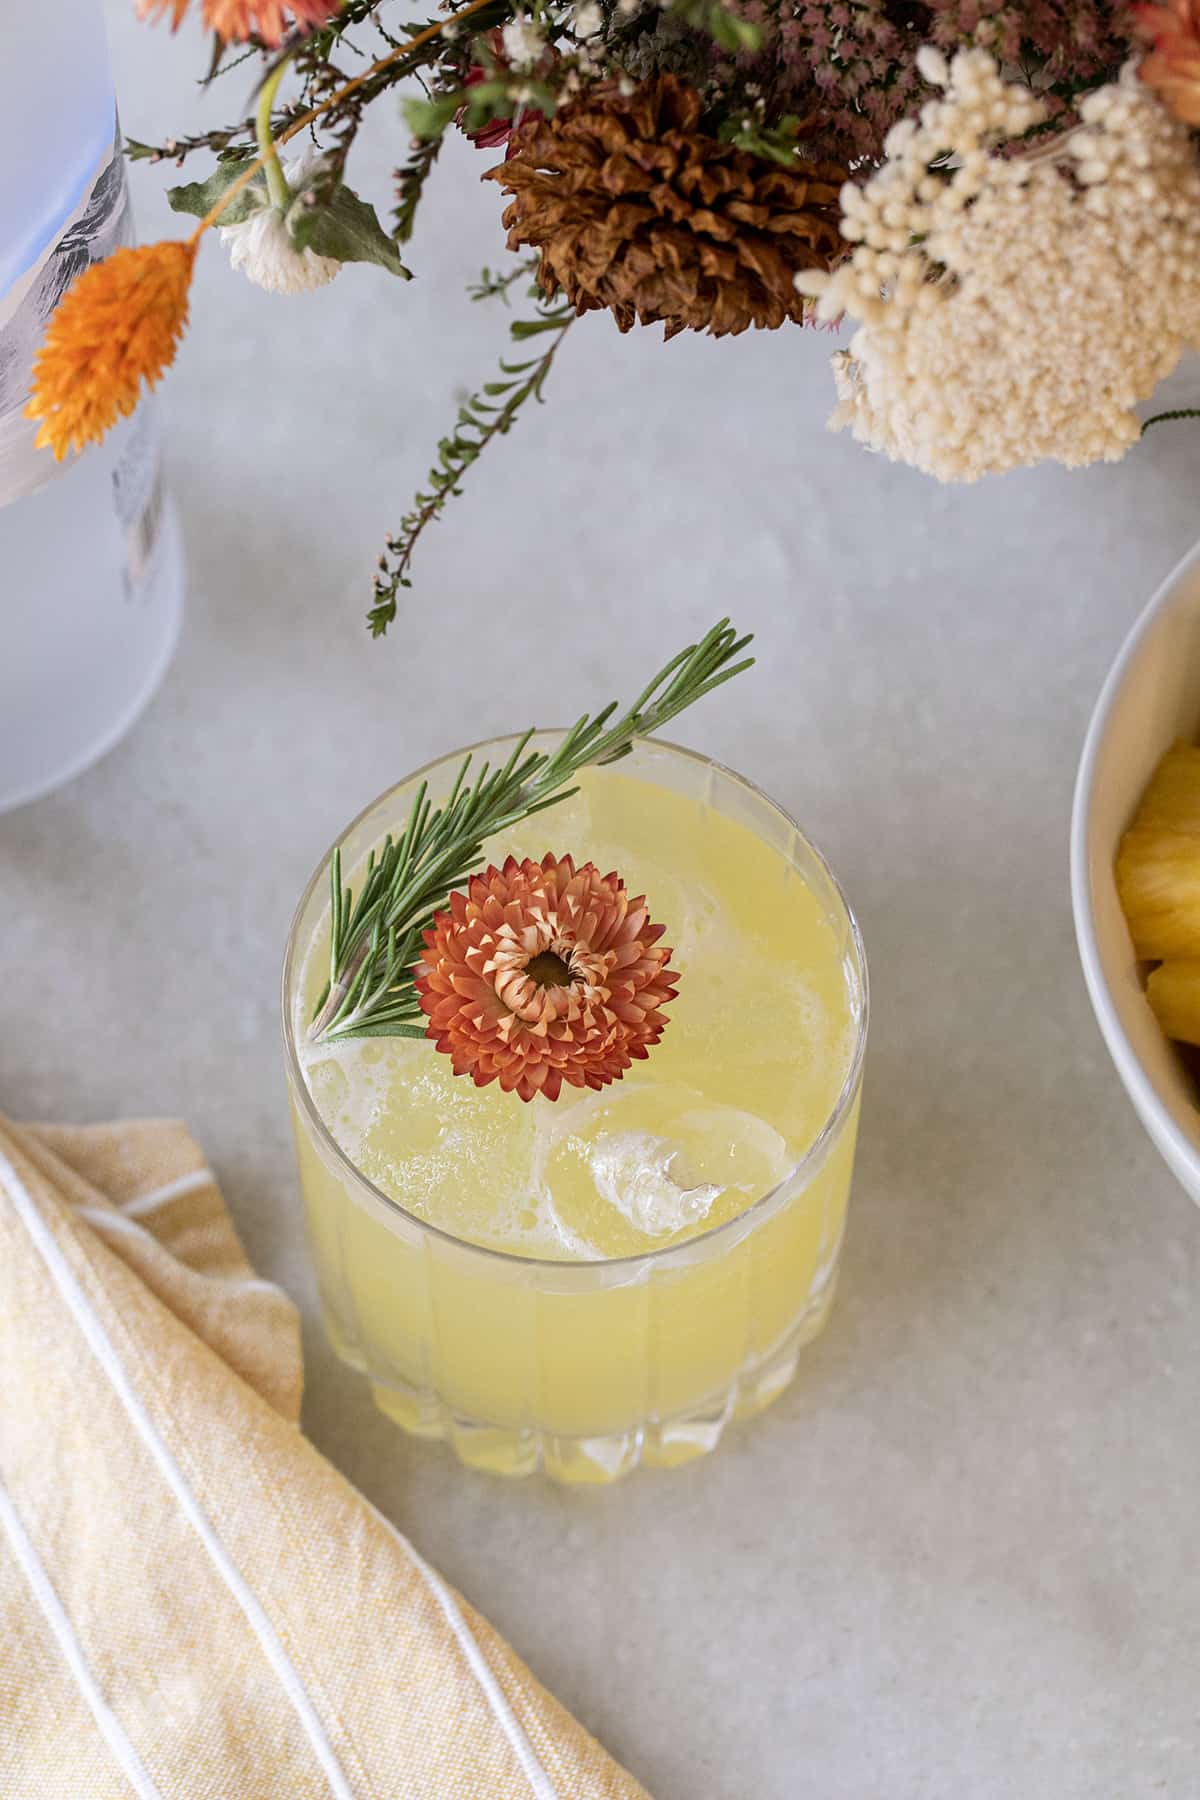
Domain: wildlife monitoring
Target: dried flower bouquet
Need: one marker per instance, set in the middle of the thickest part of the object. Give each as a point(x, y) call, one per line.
point(1004, 195)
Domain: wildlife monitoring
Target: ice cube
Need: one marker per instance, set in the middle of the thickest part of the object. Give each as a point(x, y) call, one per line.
point(651, 1161)
point(645, 1178)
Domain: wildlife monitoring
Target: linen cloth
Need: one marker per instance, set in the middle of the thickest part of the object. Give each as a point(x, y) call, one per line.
point(194, 1605)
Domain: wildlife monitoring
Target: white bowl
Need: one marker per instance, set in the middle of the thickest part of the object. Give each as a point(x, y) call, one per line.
point(1151, 697)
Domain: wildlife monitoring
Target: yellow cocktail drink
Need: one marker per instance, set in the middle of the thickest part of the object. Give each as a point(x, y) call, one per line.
point(609, 1277)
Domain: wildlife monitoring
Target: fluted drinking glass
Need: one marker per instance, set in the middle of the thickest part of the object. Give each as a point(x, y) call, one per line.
point(581, 1366)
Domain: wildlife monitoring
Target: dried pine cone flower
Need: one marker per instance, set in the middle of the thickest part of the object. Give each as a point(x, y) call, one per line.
point(635, 209)
point(542, 973)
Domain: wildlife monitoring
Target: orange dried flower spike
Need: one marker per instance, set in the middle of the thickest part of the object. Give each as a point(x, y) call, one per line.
point(1172, 68)
point(267, 20)
point(542, 973)
point(118, 325)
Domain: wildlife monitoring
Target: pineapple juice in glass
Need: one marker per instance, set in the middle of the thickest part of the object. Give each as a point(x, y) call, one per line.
point(607, 1277)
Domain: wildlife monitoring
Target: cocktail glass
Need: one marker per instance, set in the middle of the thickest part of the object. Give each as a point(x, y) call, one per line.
point(586, 1365)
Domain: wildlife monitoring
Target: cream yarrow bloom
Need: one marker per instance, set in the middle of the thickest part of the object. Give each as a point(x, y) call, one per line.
point(261, 248)
point(1015, 308)
point(523, 43)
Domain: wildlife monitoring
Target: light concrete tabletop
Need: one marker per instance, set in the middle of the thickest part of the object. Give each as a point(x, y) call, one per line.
point(959, 1557)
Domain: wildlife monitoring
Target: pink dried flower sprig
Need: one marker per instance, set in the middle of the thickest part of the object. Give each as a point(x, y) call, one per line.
point(853, 66)
point(496, 131)
point(527, 42)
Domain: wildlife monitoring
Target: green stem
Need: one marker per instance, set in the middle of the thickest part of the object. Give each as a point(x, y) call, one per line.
point(1179, 412)
point(353, 86)
point(277, 187)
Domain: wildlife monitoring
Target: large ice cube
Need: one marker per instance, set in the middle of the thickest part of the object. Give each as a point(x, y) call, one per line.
point(646, 1179)
point(643, 1164)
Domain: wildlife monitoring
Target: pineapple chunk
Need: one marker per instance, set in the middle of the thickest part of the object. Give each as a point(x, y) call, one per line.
point(1158, 864)
point(1158, 879)
point(1172, 799)
point(1173, 990)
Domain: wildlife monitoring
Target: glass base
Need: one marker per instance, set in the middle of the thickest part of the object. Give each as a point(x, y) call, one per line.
point(89, 630)
point(592, 1461)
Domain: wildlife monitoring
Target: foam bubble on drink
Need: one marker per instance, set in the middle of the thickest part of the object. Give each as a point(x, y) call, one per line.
point(462, 1159)
point(348, 1083)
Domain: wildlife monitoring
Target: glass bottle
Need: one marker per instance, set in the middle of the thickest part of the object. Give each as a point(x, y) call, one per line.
point(91, 569)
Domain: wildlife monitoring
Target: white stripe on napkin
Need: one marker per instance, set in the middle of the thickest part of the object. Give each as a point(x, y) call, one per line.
point(124, 1226)
point(55, 1615)
point(102, 1349)
point(170, 1190)
point(532, 1769)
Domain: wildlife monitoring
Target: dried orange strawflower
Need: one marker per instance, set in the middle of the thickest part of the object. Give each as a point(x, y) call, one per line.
point(267, 20)
point(1172, 68)
point(117, 326)
point(543, 973)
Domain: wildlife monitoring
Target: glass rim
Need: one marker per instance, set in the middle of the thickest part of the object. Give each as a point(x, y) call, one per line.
point(806, 1165)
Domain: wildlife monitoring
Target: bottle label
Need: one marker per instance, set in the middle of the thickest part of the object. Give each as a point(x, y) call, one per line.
point(101, 223)
point(139, 498)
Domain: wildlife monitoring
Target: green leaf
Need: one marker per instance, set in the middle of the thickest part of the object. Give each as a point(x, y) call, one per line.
point(520, 329)
point(724, 27)
point(386, 1030)
point(777, 142)
point(347, 229)
point(199, 197)
point(429, 118)
point(732, 33)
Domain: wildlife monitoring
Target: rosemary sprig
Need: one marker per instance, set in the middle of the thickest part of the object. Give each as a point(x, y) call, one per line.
point(375, 934)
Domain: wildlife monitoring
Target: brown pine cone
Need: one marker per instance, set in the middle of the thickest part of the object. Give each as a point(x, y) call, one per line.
point(634, 209)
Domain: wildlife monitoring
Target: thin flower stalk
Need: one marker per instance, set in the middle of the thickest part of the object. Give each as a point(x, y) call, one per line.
point(331, 101)
point(121, 321)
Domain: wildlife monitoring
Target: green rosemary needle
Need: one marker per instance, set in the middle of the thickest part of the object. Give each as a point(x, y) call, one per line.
point(376, 934)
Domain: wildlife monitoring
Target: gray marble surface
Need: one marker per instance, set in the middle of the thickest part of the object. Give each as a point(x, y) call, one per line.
point(958, 1557)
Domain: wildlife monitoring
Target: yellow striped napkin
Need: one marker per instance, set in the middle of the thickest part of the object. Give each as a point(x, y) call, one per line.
point(193, 1604)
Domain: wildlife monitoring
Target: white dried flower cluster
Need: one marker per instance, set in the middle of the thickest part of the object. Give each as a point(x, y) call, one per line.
point(1016, 308)
point(523, 43)
point(587, 19)
point(261, 248)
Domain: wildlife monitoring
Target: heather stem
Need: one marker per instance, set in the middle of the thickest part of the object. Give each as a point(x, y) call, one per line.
point(323, 106)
